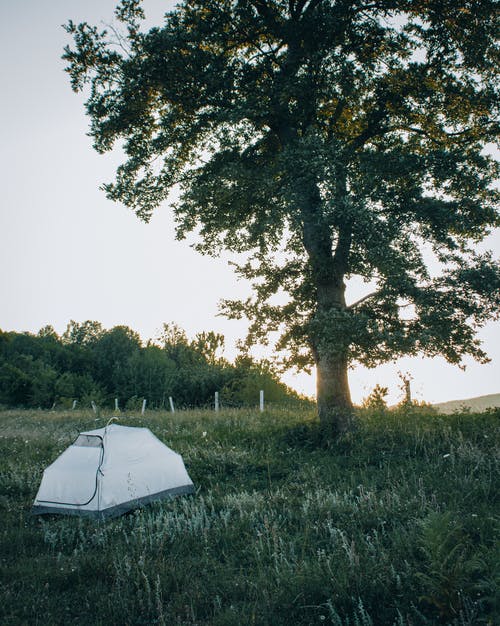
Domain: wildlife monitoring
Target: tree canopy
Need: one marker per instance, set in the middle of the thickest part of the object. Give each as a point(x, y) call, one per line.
point(331, 141)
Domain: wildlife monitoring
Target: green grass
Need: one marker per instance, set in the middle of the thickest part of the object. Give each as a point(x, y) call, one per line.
point(395, 524)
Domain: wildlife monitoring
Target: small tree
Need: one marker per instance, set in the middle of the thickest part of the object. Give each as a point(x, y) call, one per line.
point(330, 140)
point(377, 399)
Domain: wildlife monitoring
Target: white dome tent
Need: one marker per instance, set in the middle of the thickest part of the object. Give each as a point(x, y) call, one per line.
point(109, 471)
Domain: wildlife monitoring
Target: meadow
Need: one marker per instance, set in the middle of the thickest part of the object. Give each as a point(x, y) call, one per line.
point(395, 524)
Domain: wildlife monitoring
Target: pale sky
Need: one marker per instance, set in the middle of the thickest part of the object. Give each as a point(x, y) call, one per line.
point(69, 253)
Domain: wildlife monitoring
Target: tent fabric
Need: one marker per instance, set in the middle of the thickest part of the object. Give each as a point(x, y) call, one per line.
point(109, 471)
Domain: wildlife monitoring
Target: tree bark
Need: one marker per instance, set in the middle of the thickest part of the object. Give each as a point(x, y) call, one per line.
point(332, 388)
point(333, 394)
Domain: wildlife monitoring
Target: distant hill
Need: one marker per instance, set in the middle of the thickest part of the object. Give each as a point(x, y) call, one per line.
point(481, 403)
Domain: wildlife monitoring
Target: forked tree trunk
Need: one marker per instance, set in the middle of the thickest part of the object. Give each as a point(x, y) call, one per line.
point(328, 269)
point(333, 395)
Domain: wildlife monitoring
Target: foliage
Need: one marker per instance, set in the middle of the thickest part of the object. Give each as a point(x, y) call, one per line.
point(376, 399)
point(396, 524)
point(330, 141)
point(89, 363)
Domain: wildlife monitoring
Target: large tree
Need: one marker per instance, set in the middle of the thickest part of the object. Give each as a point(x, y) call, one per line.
point(330, 141)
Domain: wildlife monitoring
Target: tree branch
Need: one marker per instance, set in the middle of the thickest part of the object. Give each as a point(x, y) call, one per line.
point(363, 299)
point(342, 250)
point(263, 10)
point(370, 133)
point(311, 6)
point(296, 8)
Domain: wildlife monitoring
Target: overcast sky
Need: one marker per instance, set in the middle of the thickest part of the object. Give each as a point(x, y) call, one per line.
point(68, 253)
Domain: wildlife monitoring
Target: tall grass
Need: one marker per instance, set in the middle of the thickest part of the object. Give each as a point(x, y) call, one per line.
point(396, 524)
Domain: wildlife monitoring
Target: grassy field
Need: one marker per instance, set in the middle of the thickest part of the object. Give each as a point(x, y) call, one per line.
point(396, 524)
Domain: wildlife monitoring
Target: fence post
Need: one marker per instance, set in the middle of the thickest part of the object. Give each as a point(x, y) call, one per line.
point(94, 407)
point(144, 401)
point(74, 405)
point(117, 408)
point(171, 404)
point(261, 400)
point(216, 401)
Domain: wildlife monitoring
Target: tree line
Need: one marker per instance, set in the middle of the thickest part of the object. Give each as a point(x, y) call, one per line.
point(88, 363)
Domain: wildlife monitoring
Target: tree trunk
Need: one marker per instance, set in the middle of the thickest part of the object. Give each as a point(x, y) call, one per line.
point(328, 268)
point(333, 394)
